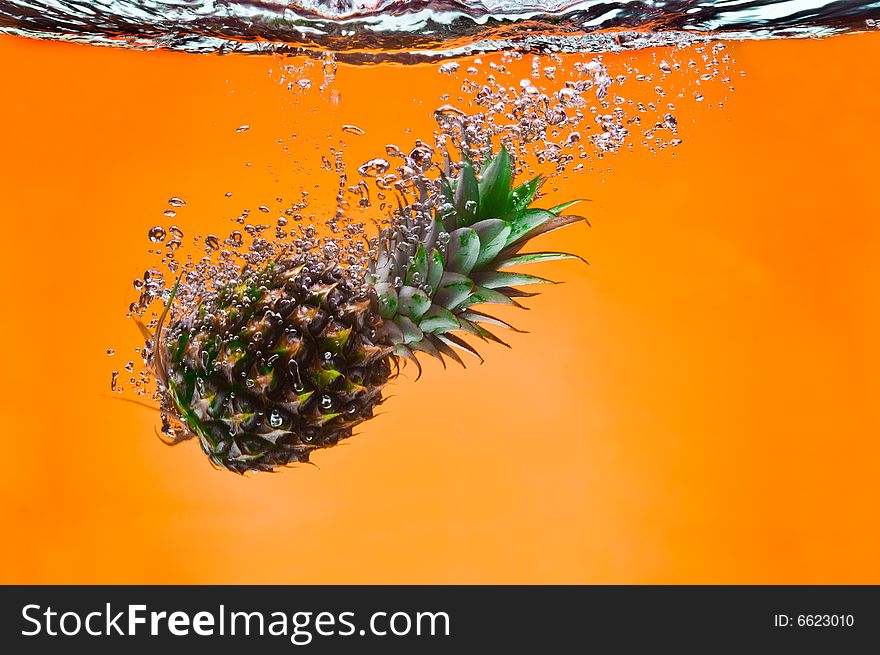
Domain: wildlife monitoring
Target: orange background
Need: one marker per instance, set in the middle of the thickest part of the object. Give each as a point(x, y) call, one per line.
point(700, 405)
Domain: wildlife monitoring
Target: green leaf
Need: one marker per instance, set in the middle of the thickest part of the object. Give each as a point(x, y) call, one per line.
point(553, 224)
point(467, 196)
point(495, 186)
point(446, 213)
point(485, 334)
point(526, 221)
point(558, 209)
point(411, 331)
point(535, 222)
point(484, 296)
point(493, 233)
point(406, 353)
point(438, 319)
point(445, 349)
point(145, 333)
point(428, 347)
point(480, 331)
point(463, 250)
point(452, 289)
point(536, 257)
point(523, 194)
point(495, 279)
point(413, 302)
point(181, 346)
point(417, 271)
point(474, 317)
point(388, 302)
point(457, 342)
point(435, 269)
point(394, 333)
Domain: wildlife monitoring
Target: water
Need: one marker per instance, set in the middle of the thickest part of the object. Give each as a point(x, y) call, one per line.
point(557, 117)
point(364, 31)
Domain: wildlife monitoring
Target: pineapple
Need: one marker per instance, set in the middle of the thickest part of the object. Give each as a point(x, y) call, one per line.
point(295, 354)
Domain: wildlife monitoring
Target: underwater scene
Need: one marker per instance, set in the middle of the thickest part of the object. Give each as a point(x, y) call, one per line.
point(441, 292)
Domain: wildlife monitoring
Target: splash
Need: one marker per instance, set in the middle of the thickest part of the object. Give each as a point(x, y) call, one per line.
point(400, 30)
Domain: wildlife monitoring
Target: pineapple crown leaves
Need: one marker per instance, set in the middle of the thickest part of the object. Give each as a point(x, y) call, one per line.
point(428, 290)
point(152, 338)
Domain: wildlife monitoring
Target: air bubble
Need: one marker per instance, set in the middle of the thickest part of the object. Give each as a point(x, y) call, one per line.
point(374, 167)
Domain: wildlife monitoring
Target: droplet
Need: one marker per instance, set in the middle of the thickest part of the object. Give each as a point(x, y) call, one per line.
point(374, 167)
point(275, 419)
point(326, 402)
point(212, 243)
point(110, 352)
point(177, 202)
point(242, 128)
point(353, 129)
point(157, 234)
point(113, 377)
point(449, 68)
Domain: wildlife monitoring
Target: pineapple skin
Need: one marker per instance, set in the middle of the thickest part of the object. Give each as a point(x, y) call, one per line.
point(289, 361)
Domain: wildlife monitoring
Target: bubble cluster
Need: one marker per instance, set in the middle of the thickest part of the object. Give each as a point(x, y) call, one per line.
point(560, 117)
